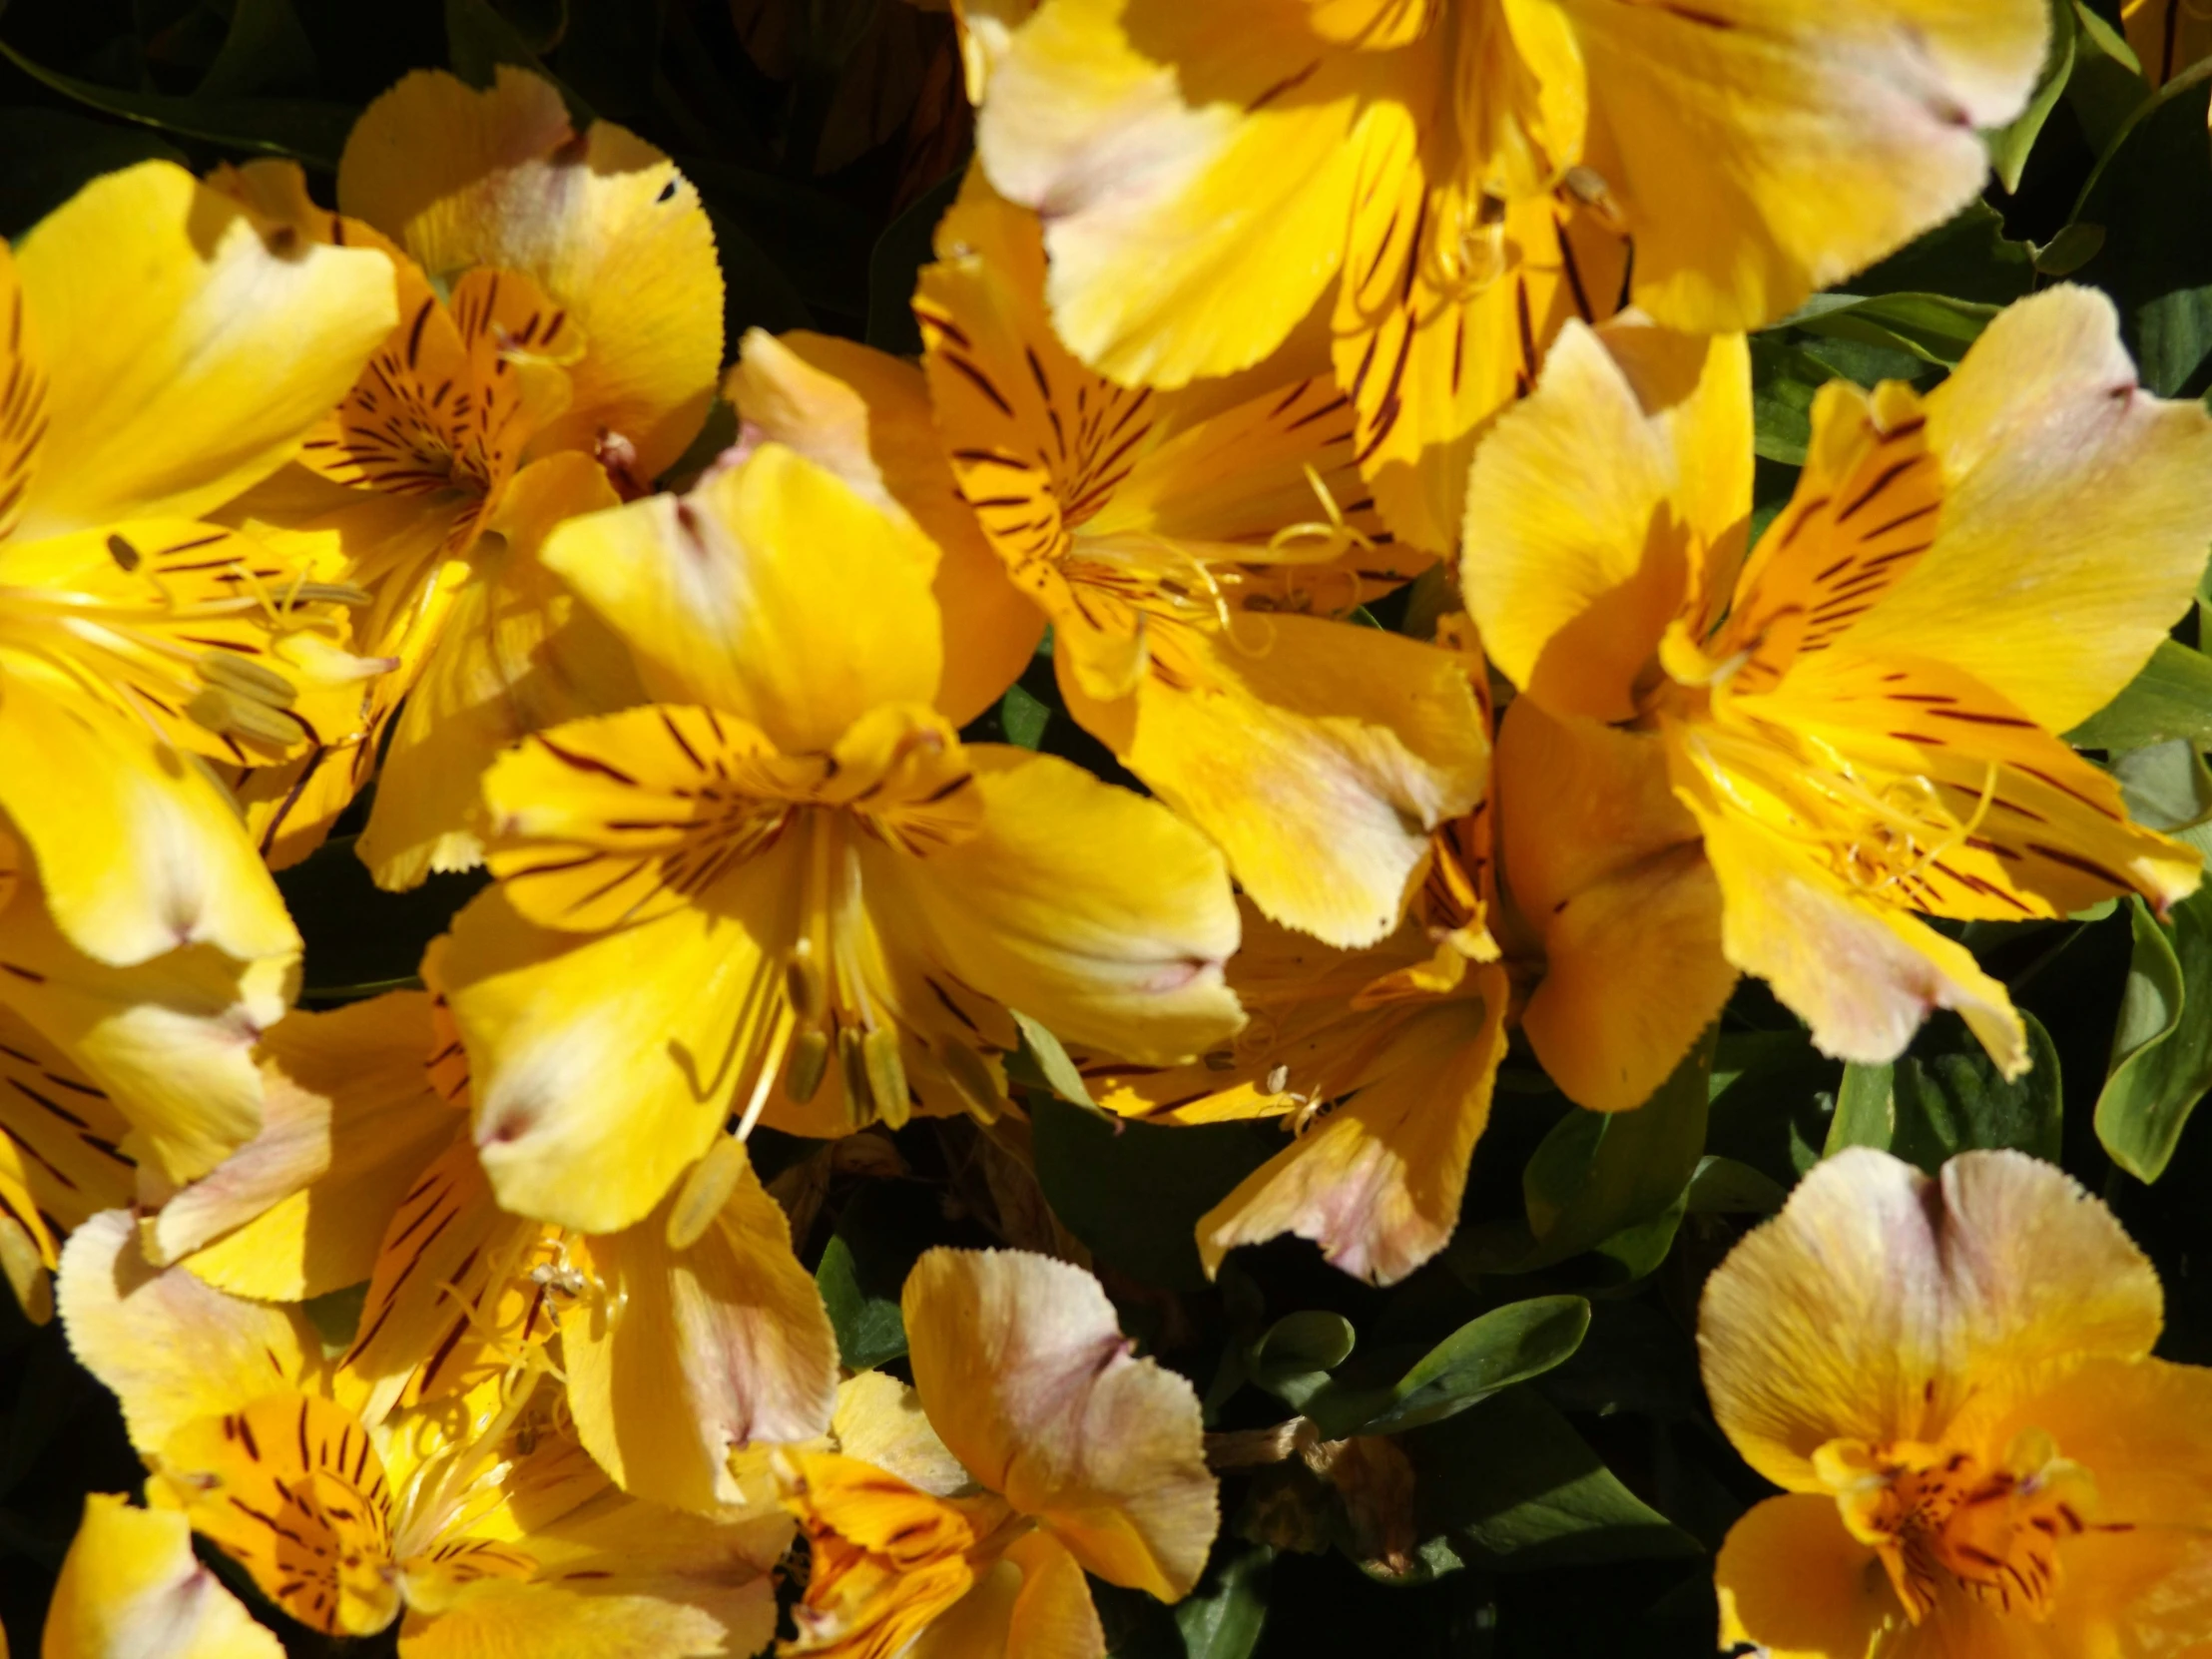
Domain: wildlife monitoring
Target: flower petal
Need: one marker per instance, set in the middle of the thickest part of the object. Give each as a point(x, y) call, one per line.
point(1091, 909)
point(130, 1588)
point(1597, 502)
point(2043, 416)
point(1881, 1303)
point(865, 414)
point(717, 1345)
point(1794, 1582)
point(773, 591)
point(1378, 1183)
point(171, 1347)
point(1762, 149)
point(349, 1122)
point(1197, 185)
point(1610, 869)
point(188, 353)
point(59, 1161)
point(1024, 1372)
point(605, 223)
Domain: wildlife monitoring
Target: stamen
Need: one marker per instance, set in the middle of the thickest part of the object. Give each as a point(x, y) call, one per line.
point(887, 1077)
point(808, 1061)
point(706, 1189)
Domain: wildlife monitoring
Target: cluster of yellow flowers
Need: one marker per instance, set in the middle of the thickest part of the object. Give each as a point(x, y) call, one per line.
point(1249, 313)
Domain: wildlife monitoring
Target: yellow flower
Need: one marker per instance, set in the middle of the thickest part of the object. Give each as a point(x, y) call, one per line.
point(1048, 1451)
point(1951, 1381)
point(1176, 543)
point(1379, 1062)
point(131, 1584)
point(673, 1352)
point(160, 349)
point(559, 335)
point(1453, 178)
point(787, 887)
point(2167, 36)
point(1773, 763)
point(478, 1516)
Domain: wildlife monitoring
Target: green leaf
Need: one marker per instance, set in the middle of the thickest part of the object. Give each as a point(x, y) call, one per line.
point(1511, 1486)
point(864, 1269)
point(1134, 1191)
point(1967, 256)
point(2152, 193)
point(2171, 698)
point(1724, 1187)
point(1866, 1114)
point(1298, 1346)
point(2073, 247)
point(304, 130)
point(1608, 1182)
point(1224, 1617)
point(1488, 1354)
point(1042, 1063)
point(478, 40)
point(1931, 326)
point(2161, 1061)
point(900, 253)
point(1023, 717)
point(1946, 1097)
point(2107, 85)
point(2009, 145)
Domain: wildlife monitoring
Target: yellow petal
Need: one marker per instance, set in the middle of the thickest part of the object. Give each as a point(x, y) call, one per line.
point(290, 1487)
point(1197, 166)
point(1796, 1583)
point(1024, 1372)
point(130, 1589)
point(171, 1347)
point(1611, 870)
point(1374, 25)
point(1034, 1604)
point(715, 1347)
point(554, 1621)
point(1597, 502)
point(773, 592)
point(351, 1120)
point(1378, 1183)
point(59, 1161)
point(1881, 1303)
point(23, 410)
point(2137, 1425)
point(1319, 755)
point(880, 1420)
point(603, 222)
point(139, 850)
point(516, 654)
point(865, 414)
point(187, 354)
point(604, 1063)
point(1770, 147)
point(1086, 906)
point(2043, 418)
point(889, 1559)
point(171, 1040)
point(1861, 972)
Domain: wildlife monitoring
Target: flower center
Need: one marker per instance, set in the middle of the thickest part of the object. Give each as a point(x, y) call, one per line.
point(1944, 1520)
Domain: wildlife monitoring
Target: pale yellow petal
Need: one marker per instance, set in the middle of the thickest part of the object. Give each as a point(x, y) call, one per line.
point(602, 1063)
point(130, 1588)
point(880, 1420)
point(1611, 870)
point(1763, 148)
point(603, 222)
point(715, 1346)
point(774, 592)
point(1022, 1367)
point(350, 1123)
point(1881, 1303)
point(187, 354)
point(1084, 905)
point(1378, 1183)
point(2070, 531)
point(171, 1346)
point(865, 414)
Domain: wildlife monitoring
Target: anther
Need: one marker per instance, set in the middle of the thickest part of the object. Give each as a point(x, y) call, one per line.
point(246, 678)
point(705, 1191)
point(887, 1077)
point(803, 984)
point(803, 1072)
point(241, 717)
point(859, 1105)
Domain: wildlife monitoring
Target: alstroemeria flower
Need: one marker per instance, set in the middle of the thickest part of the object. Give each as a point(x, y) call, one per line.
point(1379, 1062)
point(559, 337)
point(1049, 1450)
point(2167, 36)
point(476, 1517)
point(1453, 178)
point(673, 1352)
point(1176, 543)
point(1951, 1381)
point(160, 349)
point(131, 1584)
point(1774, 765)
point(787, 887)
